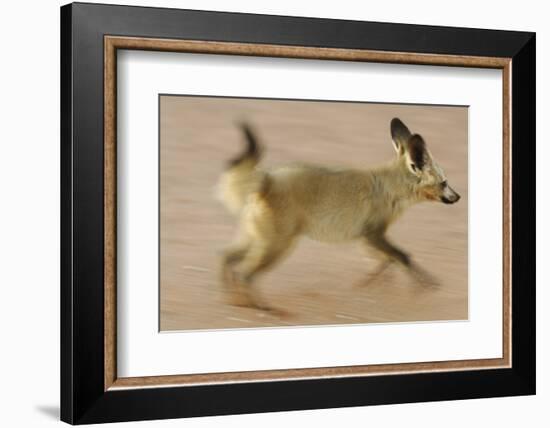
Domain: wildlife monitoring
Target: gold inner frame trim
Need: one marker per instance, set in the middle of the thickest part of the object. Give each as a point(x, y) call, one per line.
point(113, 43)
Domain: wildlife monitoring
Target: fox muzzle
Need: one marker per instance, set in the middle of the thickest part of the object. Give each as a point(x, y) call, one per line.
point(450, 198)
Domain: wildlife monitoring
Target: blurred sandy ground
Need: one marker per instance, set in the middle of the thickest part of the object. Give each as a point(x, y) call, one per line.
point(317, 283)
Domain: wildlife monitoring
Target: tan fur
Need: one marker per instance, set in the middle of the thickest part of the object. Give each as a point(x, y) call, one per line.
point(327, 204)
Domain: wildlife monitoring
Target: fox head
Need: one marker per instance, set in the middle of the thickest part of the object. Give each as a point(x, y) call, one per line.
point(428, 178)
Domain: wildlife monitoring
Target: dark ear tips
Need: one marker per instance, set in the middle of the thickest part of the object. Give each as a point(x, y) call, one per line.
point(396, 122)
point(399, 132)
point(413, 144)
point(417, 150)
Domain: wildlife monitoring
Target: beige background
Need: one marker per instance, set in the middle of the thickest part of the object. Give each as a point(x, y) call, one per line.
point(318, 283)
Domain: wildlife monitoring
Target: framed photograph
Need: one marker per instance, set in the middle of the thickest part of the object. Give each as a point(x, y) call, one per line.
point(266, 213)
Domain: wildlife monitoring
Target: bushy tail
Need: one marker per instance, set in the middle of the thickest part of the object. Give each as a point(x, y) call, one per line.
point(252, 151)
point(241, 178)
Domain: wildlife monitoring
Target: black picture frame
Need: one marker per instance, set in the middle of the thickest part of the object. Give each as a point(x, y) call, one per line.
point(83, 396)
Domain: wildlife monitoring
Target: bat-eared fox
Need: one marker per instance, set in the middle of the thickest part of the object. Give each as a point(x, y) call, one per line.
point(328, 204)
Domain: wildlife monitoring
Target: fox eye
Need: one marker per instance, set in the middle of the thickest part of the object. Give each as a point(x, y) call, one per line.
point(443, 184)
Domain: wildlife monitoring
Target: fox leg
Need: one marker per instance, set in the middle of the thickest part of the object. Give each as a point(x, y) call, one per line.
point(268, 237)
point(389, 255)
point(377, 273)
point(259, 258)
point(231, 257)
point(381, 243)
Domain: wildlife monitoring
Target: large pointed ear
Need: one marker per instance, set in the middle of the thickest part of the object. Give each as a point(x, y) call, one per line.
point(400, 135)
point(417, 154)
